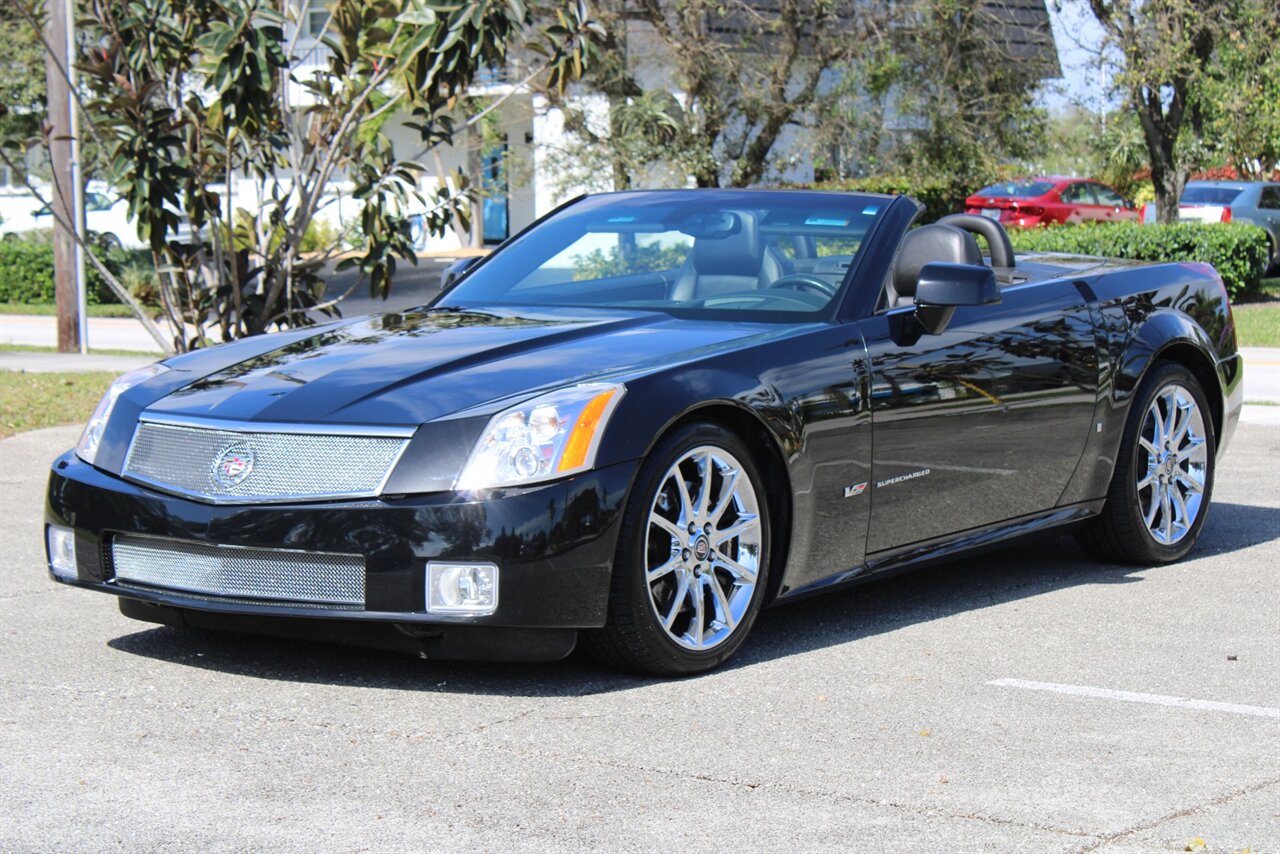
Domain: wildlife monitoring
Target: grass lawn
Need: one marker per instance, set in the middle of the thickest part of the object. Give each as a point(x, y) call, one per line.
point(1258, 318)
point(51, 309)
point(93, 351)
point(32, 401)
point(1257, 324)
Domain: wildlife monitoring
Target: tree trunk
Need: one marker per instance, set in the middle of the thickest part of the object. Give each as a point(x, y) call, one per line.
point(66, 286)
point(1160, 132)
point(621, 175)
point(1166, 176)
point(475, 175)
point(1168, 181)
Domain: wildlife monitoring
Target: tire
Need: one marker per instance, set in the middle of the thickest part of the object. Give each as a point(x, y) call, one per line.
point(681, 602)
point(1137, 525)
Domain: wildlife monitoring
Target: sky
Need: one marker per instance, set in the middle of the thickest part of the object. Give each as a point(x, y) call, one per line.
point(1078, 36)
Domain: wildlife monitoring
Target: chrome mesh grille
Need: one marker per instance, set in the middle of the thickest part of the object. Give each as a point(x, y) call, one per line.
point(284, 466)
point(239, 573)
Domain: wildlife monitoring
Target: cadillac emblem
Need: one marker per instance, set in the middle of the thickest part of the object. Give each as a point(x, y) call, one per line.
point(232, 465)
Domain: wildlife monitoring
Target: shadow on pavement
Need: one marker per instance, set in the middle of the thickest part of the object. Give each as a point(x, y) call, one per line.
point(874, 608)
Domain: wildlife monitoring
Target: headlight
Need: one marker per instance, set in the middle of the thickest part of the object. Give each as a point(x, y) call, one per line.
point(545, 438)
point(87, 450)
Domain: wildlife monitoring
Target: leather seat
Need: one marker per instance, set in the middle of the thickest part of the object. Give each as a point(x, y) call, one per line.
point(928, 244)
point(737, 262)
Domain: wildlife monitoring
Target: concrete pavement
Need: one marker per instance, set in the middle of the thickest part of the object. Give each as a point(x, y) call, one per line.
point(1261, 373)
point(907, 715)
point(41, 363)
point(105, 333)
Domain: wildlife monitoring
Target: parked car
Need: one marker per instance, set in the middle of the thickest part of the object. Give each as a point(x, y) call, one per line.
point(1050, 200)
point(1253, 202)
point(106, 217)
point(647, 417)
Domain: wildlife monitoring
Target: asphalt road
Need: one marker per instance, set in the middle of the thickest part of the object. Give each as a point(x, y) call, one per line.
point(413, 286)
point(909, 715)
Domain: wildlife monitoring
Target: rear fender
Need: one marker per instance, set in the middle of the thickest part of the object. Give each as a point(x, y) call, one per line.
point(1164, 333)
point(1161, 331)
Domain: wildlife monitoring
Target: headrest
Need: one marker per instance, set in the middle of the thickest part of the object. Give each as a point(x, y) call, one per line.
point(927, 245)
point(736, 254)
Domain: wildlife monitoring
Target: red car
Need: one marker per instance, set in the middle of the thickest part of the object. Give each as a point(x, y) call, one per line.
point(1051, 200)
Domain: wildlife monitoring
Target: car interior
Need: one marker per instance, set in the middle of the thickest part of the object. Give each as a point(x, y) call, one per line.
point(953, 240)
point(720, 267)
point(737, 261)
point(782, 259)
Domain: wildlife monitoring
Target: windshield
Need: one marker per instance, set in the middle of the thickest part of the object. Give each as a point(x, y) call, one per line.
point(717, 254)
point(1209, 195)
point(1017, 189)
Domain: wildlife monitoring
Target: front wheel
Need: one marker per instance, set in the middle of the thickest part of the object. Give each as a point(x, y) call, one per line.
point(1159, 494)
point(692, 560)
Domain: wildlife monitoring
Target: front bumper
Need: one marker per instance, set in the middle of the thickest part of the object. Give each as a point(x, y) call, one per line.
point(553, 544)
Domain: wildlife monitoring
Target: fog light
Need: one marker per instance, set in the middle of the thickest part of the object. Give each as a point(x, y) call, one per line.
point(62, 552)
point(462, 588)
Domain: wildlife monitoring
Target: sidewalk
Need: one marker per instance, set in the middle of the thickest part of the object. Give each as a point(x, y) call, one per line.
point(44, 363)
point(105, 333)
point(1261, 374)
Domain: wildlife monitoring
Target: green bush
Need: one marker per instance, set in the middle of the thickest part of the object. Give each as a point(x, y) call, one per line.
point(320, 236)
point(940, 196)
point(1237, 251)
point(26, 272)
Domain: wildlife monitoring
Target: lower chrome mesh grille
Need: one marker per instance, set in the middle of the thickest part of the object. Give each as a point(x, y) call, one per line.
point(234, 573)
point(225, 466)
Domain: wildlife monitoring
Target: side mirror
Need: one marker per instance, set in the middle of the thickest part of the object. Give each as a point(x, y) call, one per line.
point(943, 287)
point(456, 270)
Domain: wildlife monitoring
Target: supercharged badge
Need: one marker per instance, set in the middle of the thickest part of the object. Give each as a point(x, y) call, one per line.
point(900, 478)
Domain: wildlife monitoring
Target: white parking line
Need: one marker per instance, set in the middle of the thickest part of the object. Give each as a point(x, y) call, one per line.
point(1134, 697)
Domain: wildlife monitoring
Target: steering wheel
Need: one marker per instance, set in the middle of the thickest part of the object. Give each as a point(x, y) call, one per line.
point(803, 281)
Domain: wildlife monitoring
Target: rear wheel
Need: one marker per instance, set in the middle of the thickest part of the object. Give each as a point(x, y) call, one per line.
point(692, 560)
point(1159, 495)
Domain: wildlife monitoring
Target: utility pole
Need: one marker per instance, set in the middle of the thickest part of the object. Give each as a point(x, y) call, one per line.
point(67, 259)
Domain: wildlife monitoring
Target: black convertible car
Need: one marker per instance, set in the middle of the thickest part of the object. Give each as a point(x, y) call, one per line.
point(645, 418)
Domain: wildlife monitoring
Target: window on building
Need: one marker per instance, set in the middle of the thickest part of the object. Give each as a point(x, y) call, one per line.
point(314, 19)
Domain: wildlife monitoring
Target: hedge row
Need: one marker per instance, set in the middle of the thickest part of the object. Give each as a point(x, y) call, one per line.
point(26, 272)
point(1239, 252)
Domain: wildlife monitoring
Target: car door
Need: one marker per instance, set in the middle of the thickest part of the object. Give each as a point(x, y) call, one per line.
point(1084, 205)
point(982, 423)
point(1269, 215)
point(1112, 205)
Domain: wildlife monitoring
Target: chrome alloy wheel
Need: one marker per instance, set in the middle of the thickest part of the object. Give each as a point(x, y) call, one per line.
point(1171, 486)
point(703, 548)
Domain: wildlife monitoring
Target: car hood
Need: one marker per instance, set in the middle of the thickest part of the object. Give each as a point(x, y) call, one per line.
point(406, 369)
